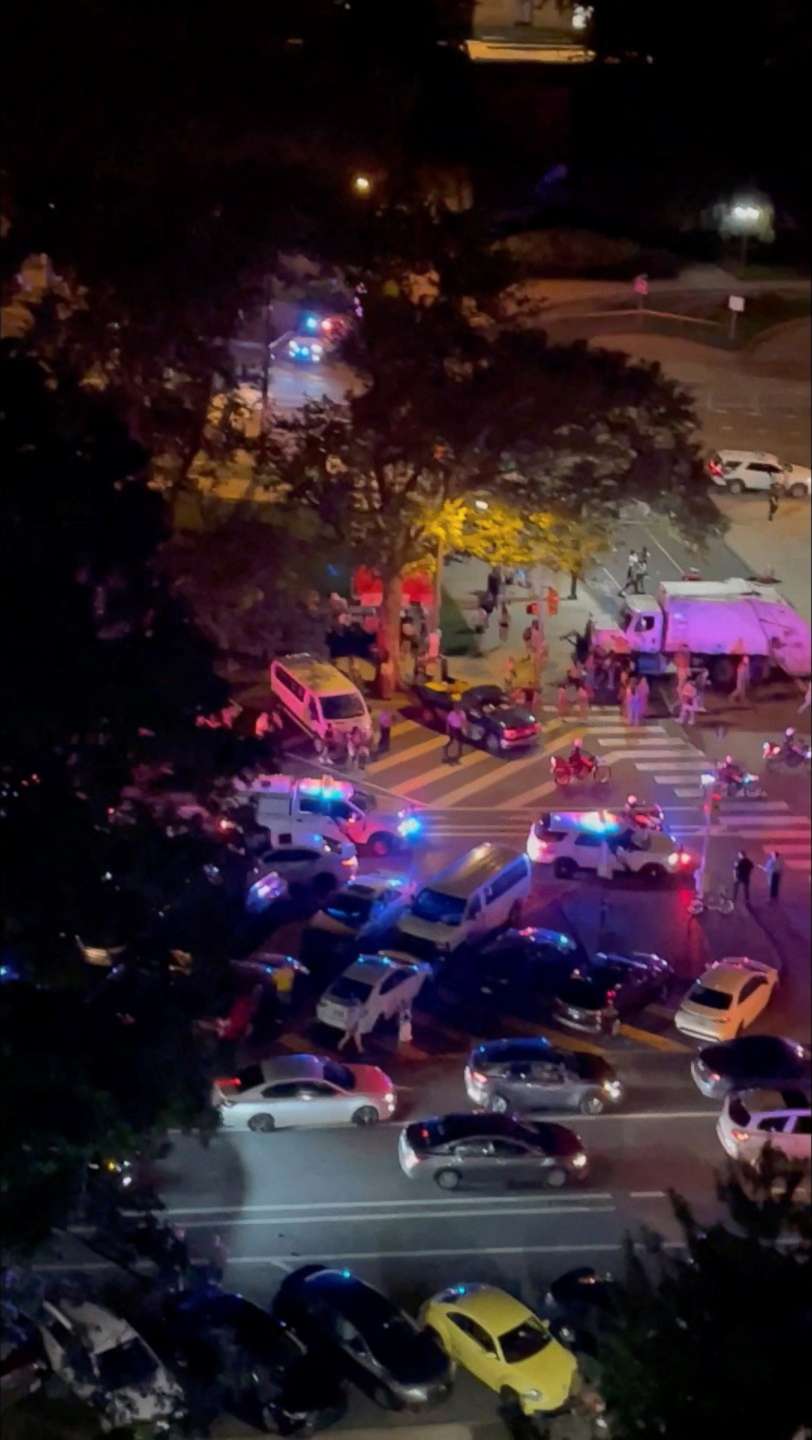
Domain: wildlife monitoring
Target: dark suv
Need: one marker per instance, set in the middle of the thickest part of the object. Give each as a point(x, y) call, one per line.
point(518, 972)
point(598, 995)
point(512, 1075)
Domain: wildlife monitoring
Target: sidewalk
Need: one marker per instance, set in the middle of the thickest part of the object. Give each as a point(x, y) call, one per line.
point(780, 548)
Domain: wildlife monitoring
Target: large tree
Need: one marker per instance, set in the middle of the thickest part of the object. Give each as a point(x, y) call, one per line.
point(699, 1329)
point(563, 435)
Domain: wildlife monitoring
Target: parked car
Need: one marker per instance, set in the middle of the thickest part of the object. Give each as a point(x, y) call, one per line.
point(515, 973)
point(489, 717)
point(304, 1090)
point(598, 995)
point(751, 1119)
point(487, 1149)
point(304, 862)
point(376, 1344)
point(235, 1356)
point(751, 1062)
point(740, 470)
point(728, 997)
point(578, 1305)
point(105, 1362)
point(504, 1345)
point(364, 908)
point(509, 1076)
point(373, 989)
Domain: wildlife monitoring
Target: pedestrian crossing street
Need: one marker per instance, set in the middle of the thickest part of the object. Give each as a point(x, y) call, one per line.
point(497, 797)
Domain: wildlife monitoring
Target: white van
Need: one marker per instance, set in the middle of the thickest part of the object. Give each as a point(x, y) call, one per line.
point(476, 894)
point(319, 697)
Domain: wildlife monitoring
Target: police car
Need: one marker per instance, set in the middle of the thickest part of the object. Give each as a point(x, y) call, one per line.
point(606, 841)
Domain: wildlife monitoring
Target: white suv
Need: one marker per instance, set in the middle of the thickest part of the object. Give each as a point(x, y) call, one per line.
point(751, 1119)
point(740, 470)
point(572, 840)
point(373, 988)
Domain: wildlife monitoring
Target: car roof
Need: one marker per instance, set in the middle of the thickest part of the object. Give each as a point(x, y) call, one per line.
point(777, 1098)
point(729, 975)
point(292, 1067)
point(369, 887)
point(534, 1047)
point(473, 869)
point(738, 456)
point(596, 821)
point(318, 675)
point(493, 1308)
point(369, 967)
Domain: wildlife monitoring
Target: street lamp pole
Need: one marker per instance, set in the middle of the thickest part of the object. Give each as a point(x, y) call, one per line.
point(266, 354)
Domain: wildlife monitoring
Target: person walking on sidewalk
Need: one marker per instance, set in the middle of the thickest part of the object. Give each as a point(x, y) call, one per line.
point(774, 870)
point(773, 497)
point(455, 721)
point(631, 570)
point(504, 623)
point(742, 870)
point(742, 681)
point(641, 571)
point(384, 730)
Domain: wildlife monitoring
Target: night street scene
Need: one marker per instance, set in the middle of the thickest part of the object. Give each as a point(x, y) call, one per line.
point(405, 724)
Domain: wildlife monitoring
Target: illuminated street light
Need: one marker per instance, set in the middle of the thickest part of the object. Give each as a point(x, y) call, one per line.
point(361, 184)
point(746, 217)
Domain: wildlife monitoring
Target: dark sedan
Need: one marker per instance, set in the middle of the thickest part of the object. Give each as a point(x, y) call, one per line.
point(578, 1305)
point(532, 1074)
point(376, 1344)
point(750, 1062)
point(518, 972)
point(486, 1149)
point(598, 996)
point(490, 718)
point(233, 1355)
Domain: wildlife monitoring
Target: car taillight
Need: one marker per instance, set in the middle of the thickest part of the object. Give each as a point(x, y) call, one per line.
point(478, 1078)
point(512, 734)
point(740, 1136)
point(714, 467)
point(232, 1080)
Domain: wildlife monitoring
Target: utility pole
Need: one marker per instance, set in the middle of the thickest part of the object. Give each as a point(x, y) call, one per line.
point(267, 307)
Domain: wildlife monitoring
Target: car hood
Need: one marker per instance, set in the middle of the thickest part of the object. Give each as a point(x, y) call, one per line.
point(552, 1372)
point(410, 924)
point(513, 717)
point(371, 1080)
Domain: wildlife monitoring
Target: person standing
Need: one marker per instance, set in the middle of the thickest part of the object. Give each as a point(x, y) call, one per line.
point(384, 730)
point(504, 623)
point(742, 681)
point(563, 701)
point(582, 702)
point(742, 870)
point(773, 497)
point(454, 725)
point(494, 583)
point(641, 571)
point(687, 703)
point(352, 1034)
point(405, 1024)
point(352, 747)
point(642, 696)
point(701, 681)
point(631, 569)
point(774, 870)
point(682, 667)
point(629, 699)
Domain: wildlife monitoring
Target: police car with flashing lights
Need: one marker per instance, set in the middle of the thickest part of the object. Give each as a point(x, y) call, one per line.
point(605, 841)
point(316, 336)
point(343, 810)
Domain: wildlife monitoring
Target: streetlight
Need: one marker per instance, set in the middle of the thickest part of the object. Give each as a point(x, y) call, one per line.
point(361, 184)
point(746, 216)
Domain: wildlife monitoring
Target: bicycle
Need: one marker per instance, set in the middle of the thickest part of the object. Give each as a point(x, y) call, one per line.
point(719, 902)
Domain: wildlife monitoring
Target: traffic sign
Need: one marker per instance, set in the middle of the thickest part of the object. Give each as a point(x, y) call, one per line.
point(641, 284)
point(736, 303)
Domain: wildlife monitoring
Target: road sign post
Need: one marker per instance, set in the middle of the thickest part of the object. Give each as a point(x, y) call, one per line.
point(640, 287)
point(735, 304)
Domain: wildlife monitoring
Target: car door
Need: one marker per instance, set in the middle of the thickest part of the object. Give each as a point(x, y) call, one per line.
point(318, 1103)
point(798, 1137)
point(474, 1159)
point(278, 1100)
point(753, 996)
point(586, 851)
point(474, 1348)
point(552, 1087)
point(391, 994)
point(757, 476)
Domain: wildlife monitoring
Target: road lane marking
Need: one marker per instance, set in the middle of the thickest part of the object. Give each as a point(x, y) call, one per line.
point(442, 772)
point(653, 1040)
point(380, 1217)
point(648, 1195)
point(464, 1200)
point(398, 757)
point(565, 738)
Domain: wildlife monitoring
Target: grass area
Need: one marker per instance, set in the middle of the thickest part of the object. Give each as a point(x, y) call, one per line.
point(762, 312)
point(458, 637)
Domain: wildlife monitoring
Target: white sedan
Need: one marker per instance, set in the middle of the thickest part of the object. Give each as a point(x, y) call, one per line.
point(373, 988)
point(727, 998)
point(304, 1090)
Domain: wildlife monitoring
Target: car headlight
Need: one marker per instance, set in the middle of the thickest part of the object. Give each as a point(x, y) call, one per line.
point(566, 1334)
point(613, 1089)
point(531, 1394)
point(579, 1161)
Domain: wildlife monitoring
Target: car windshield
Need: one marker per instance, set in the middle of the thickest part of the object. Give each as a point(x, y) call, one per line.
point(711, 999)
point(350, 909)
point(336, 1074)
point(126, 1365)
point(341, 707)
point(347, 987)
point(527, 1339)
point(433, 905)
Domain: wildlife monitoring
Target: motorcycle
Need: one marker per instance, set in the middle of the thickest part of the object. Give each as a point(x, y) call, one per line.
point(566, 770)
point(735, 784)
point(789, 751)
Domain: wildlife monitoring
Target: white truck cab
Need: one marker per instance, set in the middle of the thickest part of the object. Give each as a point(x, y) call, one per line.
point(336, 807)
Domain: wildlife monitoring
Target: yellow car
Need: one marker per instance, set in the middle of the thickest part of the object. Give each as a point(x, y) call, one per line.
point(503, 1344)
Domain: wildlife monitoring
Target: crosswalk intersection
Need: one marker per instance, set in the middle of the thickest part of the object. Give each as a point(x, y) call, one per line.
point(486, 795)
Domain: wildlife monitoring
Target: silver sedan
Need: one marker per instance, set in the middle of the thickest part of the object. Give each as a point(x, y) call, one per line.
point(304, 1090)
